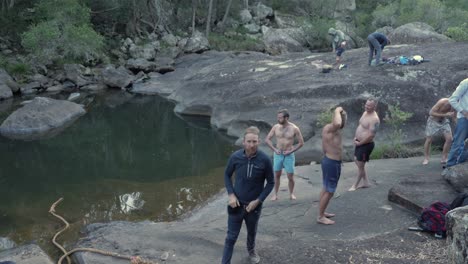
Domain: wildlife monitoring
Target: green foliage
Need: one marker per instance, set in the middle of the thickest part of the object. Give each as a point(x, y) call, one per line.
point(18, 69)
point(235, 42)
point(395, 118)
point(325, 117)
point(385, 15)
point(316, 31)
point(63, 31)
point(458, 33)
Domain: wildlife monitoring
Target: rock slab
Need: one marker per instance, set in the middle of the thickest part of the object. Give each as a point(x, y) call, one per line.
point(27, 254)
point(457, 235)
point(41, 118)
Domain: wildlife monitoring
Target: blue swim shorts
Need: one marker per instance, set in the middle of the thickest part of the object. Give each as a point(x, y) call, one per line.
point(284, 161)
point(331, 171)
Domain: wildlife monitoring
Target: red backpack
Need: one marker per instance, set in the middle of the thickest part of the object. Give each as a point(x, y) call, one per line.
point(432, 218)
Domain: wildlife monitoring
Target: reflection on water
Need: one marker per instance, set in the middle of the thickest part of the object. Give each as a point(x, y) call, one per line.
point(124, 151)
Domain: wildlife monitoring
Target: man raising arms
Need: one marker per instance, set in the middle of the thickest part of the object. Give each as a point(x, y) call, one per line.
point(364, 142)
point(331, 162)
point(283, 157)
point(439, 122)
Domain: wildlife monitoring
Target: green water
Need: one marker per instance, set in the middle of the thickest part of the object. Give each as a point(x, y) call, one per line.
point(124, 144)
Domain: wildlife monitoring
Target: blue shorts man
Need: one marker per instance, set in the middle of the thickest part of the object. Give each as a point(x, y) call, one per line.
point(283, 157)
point(331, 162)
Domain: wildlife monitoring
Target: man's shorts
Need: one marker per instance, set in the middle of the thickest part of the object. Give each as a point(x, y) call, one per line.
point(433, 127)
point(363, 152)
point(284, 161)
point(331, 171)
point(339, 51)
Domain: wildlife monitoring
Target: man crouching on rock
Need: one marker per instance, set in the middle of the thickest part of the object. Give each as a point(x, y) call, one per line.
point(331, 162)
point(252, 168)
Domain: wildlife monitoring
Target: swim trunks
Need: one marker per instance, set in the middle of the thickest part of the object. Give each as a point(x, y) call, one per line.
point(284, 161)
point(363, 152)
point(331, 171)
point(434, 127)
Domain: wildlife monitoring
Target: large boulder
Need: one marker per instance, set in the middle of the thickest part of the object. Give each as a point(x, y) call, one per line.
point(197, 43)
point(74, 73)
point(41, 118)
point(27, 254)
point(245, 16)
point(136, 65)
point(147, 51)
point(7, 85)
point(278, 41)
point(456, 222)
point(119, 78)
point(457, 176)
point(416, 32)
point(262, 11)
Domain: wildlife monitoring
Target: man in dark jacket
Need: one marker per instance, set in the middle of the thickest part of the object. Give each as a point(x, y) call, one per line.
point(252, 168)
point(377, 41)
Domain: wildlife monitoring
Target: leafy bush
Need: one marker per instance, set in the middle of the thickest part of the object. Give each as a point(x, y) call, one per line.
point(458, 33)
point(316, 31)
point(385, 15)
point(325, 117)
point(395, 118)
point(63, 31)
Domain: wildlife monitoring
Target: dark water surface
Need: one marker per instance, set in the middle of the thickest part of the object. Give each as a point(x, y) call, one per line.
point(124, 144)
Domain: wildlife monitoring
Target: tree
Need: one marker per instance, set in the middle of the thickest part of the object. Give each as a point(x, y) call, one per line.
point(208, 19)
point(228, 7)
point(62, 30)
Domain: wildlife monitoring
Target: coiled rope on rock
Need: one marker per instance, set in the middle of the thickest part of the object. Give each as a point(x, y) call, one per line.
point(66, 254)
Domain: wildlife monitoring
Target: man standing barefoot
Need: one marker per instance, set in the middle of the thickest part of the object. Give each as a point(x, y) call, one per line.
point(439, 122)
point(283, 157)
point(364, 141)
point(331, 162)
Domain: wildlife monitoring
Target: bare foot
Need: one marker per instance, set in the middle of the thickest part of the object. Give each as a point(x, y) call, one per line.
point(325, 221)
point(364, 186)
point(352, 189)
point(293, 197)
point(329, 215)
point(425, 161)
point(274, 197)
point(444, 161)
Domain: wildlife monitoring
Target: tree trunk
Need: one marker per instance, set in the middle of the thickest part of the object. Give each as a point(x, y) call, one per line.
point(208, 19)
point(194, 9)
point(246, 4)
point(226, 13)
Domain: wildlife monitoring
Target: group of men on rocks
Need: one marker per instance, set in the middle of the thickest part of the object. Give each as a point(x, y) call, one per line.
point(256, 176)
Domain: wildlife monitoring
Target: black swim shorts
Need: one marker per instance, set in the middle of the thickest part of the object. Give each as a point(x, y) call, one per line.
point(363, 152)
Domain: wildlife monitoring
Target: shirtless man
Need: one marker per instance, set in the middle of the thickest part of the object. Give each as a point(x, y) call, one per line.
point(331, 162)
point(283, 157)
point(439, 122)
point(364, 142)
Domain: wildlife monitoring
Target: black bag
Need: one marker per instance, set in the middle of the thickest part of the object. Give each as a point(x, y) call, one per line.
point(459, 201)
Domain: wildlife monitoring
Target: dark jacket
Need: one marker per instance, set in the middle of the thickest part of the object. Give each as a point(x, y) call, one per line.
point(381, 38)
point(251, 174)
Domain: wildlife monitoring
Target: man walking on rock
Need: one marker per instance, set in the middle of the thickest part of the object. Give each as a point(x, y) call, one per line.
point(439, 122)
point(252, 168)
point(364, 141)
point(283, 156)
point(331, 162)
point(459, 101)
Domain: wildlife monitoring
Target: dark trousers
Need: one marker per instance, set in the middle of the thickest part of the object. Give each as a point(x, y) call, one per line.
point(235, 218)
point(374, 47)
point(456, 154)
